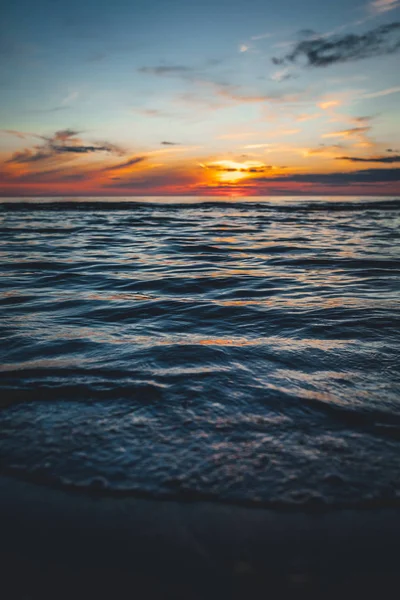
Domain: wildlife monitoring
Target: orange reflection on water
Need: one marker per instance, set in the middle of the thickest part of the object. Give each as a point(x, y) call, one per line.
point(118, 297)
point(228, 342)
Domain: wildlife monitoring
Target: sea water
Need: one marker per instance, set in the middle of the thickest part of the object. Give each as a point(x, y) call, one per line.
point(241, 350)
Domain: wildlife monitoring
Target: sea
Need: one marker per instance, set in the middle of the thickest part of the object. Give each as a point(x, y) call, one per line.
point(239, 350)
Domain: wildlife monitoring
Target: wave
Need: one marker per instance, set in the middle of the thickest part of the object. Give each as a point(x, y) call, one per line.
point(297, 205)
point(241, 352)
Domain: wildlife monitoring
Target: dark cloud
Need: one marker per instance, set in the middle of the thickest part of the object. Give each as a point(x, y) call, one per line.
point(170, 143)
point(379, 159)
point(166, 70)
point(185, 72)
point(362, 120)
point(307, 33)
point(61, 142)
point(28, 156)
point(325, 51)
point(221, 168)
point(20, 134)
point(128, 163)
point(347, 178)
point(258, 169)
point(176, 180)
point(57, 175)
point(63, 135)
point(49, 110)
point(84, 149)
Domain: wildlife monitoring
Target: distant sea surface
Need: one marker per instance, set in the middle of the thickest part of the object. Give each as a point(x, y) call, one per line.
point(244, 350)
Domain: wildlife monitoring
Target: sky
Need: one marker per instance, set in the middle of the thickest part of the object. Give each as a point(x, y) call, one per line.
point(216, 98)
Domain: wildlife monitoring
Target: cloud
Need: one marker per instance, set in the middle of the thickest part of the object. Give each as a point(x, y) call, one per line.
point(395, 158)
point(243, 48)
point(324, 150)
point(263, 36)
point(71, 97)
point(362, 120)
point(238, 135)
point(387, 92)
point(329, 104)
point(129, 163)
point(170, 182)
point(352, 132)
point(84, 149)
point(20, 134)
point(63, 135)
point(382, 6)
point(236, 95)
point(193, 73)
point(307, 117)
point(282, 75)
point(231, 166)
point(28, 156)
point(50, 176)
point(64, 141)
point(346, 178)
point(285, 132)
point(152, 112)
point(166, 70)
point(170, 143)
point(255, 146)
point(322, 52)
point(225, 169)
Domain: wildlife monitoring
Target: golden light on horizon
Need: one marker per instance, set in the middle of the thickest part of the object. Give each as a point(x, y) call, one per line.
point(230, 171)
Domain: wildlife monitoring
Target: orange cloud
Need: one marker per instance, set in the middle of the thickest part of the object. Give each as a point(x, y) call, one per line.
point(307, 117)
point(328, 104)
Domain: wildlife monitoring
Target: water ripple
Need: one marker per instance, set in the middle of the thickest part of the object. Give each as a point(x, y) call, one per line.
point(242, 351)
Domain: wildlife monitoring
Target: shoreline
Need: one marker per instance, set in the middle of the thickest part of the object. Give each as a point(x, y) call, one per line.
point(97, 547)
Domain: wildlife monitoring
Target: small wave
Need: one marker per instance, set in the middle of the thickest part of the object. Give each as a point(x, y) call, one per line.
point(130, 204)
point(240, 351)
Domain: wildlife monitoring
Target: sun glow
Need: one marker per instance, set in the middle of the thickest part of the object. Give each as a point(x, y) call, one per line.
point(230, 171)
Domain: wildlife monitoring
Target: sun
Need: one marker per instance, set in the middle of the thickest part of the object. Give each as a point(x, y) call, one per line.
point(230, 171)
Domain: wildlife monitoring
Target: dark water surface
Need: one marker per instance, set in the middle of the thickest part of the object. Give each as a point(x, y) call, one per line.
point(240, 351)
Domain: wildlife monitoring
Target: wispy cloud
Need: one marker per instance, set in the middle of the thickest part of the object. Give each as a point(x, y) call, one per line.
point(382, 6)
point(238, 135)
point(152, 112)
point(166, 70)
point(23, 135)
point(395, 158)
point(126, 164)
point(326, 104)
point(61, 142)
point(364, 176)
point(188, 72)
point(307, 117)
point(323, 52)
point(69, 98)
point(256, 146)
point(324, 150)
point(387, 92)
point(361, 120)
point(28, 156)
point(282, 75)
point(262, 36)
point(353, 132)
point(229, 166)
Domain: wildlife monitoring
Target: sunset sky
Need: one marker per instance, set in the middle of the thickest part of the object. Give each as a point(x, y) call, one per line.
point(219, 97)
